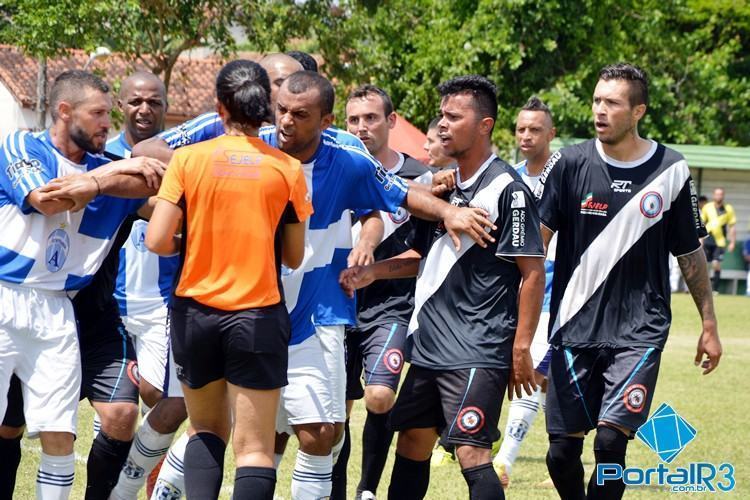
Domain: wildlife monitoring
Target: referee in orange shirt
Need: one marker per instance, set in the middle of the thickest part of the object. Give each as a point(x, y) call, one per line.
point(242, 204)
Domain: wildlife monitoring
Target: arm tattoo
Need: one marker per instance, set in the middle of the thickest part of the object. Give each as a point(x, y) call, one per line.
point(695, 272)
point(397, 265)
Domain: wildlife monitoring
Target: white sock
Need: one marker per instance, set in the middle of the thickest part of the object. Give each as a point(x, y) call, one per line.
point(311, 478)
point(147, 450)
point(521, 415)
point(97, 424)
point(277, 460)
point(171, 481)
point(337, 448)
point(54, 480)
point(144, 410)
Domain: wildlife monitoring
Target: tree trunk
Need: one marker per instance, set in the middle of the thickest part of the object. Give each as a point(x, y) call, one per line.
point(41, 94)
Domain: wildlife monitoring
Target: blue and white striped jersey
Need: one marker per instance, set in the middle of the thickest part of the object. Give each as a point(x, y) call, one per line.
point(58, 252)
point(144, 279)
point(339, 178)
point(549, 261)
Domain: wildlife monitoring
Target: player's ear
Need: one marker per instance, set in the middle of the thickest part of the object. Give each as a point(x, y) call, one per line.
point(326, 121)
point(639, 111)
point(551, 134)
point(64, 110)
point(391, 119)
point(485, 125)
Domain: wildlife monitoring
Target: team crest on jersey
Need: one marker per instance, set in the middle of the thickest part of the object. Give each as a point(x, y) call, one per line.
point(393, 360)
point(133, 374)
point(651, 204)
point(635, 398)
point(58, 246)
point(399, 216)
point(138, 237)
point(470, 420)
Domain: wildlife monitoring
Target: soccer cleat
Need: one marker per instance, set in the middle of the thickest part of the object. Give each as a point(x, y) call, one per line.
point(502, 473)
point(441, 456)
point(365, 495)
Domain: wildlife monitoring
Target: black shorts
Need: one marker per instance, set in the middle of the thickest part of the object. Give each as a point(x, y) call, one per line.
point(14, 412)
point(464, 405)
point(248, 348)
point(714, 253)
point(587, 386)
point(379, 351)
point(110, 369)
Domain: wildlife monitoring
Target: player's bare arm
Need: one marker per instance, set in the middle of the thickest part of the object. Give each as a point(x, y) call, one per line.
point(458, 220)
point(48, 205)
point(530, 300)
point(370, 237)
point(293, 245)
point(547, 235)
point(161, 237)
point(154, 147)
point(695, 273)
point(405, 265)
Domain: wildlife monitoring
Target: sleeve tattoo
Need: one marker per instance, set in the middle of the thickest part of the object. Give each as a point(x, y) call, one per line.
point(695, 272)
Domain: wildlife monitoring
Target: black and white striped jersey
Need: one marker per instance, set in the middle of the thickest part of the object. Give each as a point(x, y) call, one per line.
point(466, 302)
point(617, 223)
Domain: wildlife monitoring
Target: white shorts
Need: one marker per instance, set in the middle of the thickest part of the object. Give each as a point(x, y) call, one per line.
point(539, 345)
point(172, 385)
point(149, 335)
point(317, 381)
point(39, 343)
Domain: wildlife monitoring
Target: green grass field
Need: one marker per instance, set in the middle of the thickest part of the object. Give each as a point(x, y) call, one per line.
point(715, 405)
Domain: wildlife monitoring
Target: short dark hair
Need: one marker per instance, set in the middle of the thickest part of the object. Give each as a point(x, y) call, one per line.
point(635, 76)
point(363, 91)
point(302, 81)
point(434, 123)
point(482, 90)
point(242, 87)
point(307, 61)
point(536, 104)
point(68, 86)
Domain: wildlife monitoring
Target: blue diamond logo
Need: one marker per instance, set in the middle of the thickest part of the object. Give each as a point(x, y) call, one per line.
point(666, 433)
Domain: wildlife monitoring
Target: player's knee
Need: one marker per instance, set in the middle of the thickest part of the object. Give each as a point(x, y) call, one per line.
point(610, 443)
point(118, 419)
point(416, 444)
point(315, 439)
point(8, 432)
point(56, 443)
point(379, 398)
point(167, 416)
point(564, 452)
point(472, 456)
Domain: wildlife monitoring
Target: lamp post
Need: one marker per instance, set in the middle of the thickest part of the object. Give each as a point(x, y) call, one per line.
point(100, 52)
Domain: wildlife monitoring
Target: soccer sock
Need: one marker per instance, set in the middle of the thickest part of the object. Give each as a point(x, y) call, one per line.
point(521, 416)
point(716, 280)
point(144, 409)
point(106, 460)
point(376, 440)
point(311, 478)
point(254, 482)
point(54, 480)
point(148, 448)
point(610, 446)
point(565, 467)
point(409, 479)
point(171, 480)
point(10, 458)
point(340, 463)
point(483, 483)
point(204, 466)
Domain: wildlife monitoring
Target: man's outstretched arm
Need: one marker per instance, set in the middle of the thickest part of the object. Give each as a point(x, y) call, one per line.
point(695, 273)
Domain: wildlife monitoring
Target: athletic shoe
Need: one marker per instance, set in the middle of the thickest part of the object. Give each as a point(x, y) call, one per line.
point(441, 456)
point(502, 474)
point(365, 495)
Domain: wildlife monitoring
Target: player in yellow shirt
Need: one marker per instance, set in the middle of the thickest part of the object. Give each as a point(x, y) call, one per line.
point(719, 219)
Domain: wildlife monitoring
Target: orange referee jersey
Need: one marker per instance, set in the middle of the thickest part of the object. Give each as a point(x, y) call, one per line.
point(236, 191)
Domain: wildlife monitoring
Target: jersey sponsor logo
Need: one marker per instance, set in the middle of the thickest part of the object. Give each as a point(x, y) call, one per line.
point(651, 204)
point(21, 168)
point(58, 246)
point(621, 186)
point(634, 398)
point(400, 216)
point(138, 237)
point(518, 227)
point(133, 373)
point(589, 206)
point(694, 204)
point(519, 200)
point(470, 420)
point(551, 162)
point(393, 360)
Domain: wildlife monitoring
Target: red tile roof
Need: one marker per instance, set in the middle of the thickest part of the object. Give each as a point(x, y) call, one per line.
point(191, 90)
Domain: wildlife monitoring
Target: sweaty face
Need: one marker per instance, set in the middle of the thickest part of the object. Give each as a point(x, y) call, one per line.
point(365, 118)
point(299, 122)
point(90, 121)
point(435, 155)
point(144, 107)
point(614, 117)
point(533, 133)
point(459, 126)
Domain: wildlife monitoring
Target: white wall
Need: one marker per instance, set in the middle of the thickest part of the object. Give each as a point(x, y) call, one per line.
point(12, 116)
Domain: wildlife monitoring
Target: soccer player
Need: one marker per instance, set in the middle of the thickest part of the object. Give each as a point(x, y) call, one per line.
point(534, 132)
point(436, 157)
point(620, 204)
point(307, 61)
point(475, 309)
point(60, 194)
point(230, 331)
point(720, 219)
point(376, 345)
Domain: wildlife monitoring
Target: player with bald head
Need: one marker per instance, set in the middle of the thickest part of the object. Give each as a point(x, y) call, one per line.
point(143, 102)
point(279, 66)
